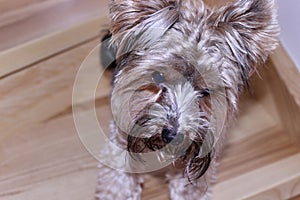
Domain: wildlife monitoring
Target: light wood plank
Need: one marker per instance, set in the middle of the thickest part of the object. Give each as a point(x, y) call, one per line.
point(42, 157)
point(26, 20)
point(256, 151)
point(14, 11)
point(48, 163)
point(282, 191)
point(45, 89)
point(250, 184)
point(287, 72)
point(284, 79)
point(27, 54)
point(254, 110)
point(49, 158)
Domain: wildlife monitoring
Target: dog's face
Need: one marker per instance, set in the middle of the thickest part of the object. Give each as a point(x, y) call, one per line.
point(179, 64)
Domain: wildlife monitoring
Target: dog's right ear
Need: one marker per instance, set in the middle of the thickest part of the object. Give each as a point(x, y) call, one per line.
point(138, 24)
point(245, 32)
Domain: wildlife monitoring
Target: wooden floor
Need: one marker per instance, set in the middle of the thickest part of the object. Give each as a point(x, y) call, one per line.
point(41, 155)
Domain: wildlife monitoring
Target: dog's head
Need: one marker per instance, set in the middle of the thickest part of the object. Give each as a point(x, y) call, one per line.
point(178, 64)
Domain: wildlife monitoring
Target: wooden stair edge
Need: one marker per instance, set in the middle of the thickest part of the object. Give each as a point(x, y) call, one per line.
point(19, 57)
point(276, 176)
point(287, 71)
point(283, 80)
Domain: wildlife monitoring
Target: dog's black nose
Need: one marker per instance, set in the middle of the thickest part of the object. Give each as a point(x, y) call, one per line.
point(169, 135)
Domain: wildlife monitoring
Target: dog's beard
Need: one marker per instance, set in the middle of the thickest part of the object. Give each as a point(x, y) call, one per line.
point(195, 156)
point(192, 143)
point(144, 104)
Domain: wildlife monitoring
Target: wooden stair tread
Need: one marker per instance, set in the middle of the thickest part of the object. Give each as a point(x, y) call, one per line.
point(52, 153)
point(30, 19)
point(41, 154)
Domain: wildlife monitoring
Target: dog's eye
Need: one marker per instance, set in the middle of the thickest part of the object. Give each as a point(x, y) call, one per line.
point(158, 77)
point(204, 92)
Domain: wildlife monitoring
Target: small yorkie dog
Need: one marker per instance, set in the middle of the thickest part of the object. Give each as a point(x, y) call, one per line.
point(179, 69)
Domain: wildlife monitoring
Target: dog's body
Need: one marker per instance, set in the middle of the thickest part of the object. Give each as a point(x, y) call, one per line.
point(180, 68)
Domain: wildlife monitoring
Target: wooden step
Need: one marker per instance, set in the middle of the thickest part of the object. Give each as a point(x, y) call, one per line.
point(40, 150)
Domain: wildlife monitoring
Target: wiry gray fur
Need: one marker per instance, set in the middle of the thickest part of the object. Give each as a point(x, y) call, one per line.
point(211, 54)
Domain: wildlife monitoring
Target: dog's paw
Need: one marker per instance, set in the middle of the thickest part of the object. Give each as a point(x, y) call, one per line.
point(114, 184)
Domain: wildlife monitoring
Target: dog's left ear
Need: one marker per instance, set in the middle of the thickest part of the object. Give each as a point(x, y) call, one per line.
point(138, 24)
point(245, 33)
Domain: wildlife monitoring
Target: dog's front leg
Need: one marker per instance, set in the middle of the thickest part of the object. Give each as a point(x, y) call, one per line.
point(180, 188)
point(113, 183)
point(116, 184)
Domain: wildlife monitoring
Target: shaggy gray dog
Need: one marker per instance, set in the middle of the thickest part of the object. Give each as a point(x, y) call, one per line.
point(179, 70)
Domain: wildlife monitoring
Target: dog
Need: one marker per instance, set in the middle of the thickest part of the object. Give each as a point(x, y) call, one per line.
point(179, 69)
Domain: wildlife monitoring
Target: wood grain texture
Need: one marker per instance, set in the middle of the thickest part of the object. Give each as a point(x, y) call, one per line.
point(287, 72)
point(281, 191)
point(45, 89)
point(284, 79)
point(28, 20)
point(52, 35)
point(46, 162)
point(48, 158)
point(16, 59)
point(41, 154)
point(251, 185)
point(82, 21)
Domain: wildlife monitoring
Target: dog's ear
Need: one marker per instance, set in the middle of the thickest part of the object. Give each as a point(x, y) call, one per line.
point(137, 24)
point(245, 33)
